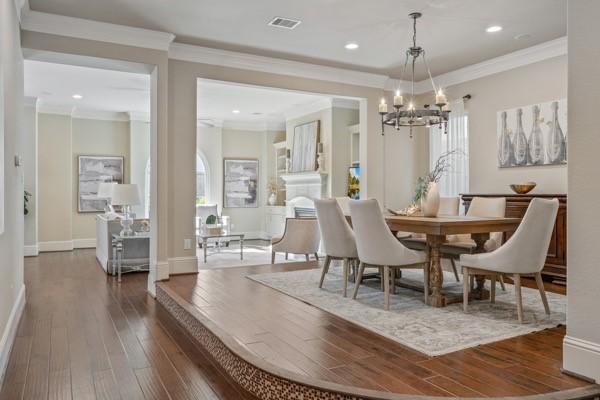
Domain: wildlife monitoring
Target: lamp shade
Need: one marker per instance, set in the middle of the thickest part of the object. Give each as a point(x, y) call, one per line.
point(125, 195)
point(105, 189)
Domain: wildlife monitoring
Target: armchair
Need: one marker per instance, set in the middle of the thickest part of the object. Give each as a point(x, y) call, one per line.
point(301, 236)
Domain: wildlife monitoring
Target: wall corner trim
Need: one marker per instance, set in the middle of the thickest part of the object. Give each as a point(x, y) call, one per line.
point(183, 265)
point(61, 25)
point(10, 332)
point(581, 357)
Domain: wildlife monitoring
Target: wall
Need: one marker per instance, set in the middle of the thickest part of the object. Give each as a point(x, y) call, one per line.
point(12, 289)
point(30, 150)
point(95, 137)
point(139, 155)
point(55, 163)
point(581, 350)
point(530, 84)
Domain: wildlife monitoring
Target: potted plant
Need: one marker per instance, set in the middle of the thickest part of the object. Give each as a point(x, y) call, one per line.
point(26, 198)
point(426, 192)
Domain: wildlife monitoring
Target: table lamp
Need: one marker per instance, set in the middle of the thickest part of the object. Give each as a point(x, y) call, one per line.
point(105, 192)
point(126, 195)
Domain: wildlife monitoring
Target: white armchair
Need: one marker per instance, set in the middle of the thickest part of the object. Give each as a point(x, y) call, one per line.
point(301, 236)
point(524, 254)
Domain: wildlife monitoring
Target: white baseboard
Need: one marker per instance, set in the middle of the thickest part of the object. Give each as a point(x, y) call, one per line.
point(31, 250)
point(581, 357)
point(10, 332)
point(162, 270)
point(66, 245)
point(183, 265)
point(84, 243)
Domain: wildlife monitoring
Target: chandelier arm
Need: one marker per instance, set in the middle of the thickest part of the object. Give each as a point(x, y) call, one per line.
point(429, 73)
point(404, 69)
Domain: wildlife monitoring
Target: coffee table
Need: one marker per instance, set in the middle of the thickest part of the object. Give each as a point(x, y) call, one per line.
point(203, 237)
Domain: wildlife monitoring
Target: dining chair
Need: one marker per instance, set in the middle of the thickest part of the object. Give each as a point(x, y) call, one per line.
point(490, 207)
point(449, 206)
point(301, 236)
point(377, 246)
point(337, 238)
point(524, 254)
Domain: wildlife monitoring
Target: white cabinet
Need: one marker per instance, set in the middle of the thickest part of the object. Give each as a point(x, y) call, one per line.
point(275, 220)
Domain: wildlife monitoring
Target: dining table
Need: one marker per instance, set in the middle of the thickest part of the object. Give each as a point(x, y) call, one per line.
point(436, 230)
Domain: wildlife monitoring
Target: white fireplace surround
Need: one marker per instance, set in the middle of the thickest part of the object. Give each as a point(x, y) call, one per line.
point(302, 187)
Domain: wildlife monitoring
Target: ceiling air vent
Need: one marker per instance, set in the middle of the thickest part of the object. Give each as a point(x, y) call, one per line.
point(285, 23)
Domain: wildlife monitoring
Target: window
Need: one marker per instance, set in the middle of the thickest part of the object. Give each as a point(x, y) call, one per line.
point(456, 180)
point(201, 180)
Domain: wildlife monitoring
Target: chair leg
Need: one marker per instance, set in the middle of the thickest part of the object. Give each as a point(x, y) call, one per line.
point(517, 280)
point(345, 276)
point(466, 288)
point(306, 255)
point(354, 270)
point(393, 280)
point(493, 288)
point(361, 269)
point(381, 280)
point(325, 270)
point(272, 257)
point(454, 269)
point(386, 288)
point(426, 282)
point(286, 256)
point(540, 285)
point(317, 256)
point(502, 283)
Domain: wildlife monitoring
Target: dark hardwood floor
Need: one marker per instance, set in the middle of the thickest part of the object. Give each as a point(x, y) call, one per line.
point(83, 336)
point(298, 337)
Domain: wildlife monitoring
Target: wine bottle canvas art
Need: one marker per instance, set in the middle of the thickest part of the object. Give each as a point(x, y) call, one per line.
point(533, 135)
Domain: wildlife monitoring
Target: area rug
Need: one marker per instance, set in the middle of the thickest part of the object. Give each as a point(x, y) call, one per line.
point(429, 330)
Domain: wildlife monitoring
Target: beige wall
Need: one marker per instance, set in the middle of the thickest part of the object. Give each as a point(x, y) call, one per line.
point(55, 186)
point(11, 239)
point(582, 343)
point(95, 138)
point(534, 83)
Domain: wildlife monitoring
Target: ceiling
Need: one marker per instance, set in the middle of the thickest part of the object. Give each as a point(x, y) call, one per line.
point(452, 31)
point(102, 90)
point(217, 101)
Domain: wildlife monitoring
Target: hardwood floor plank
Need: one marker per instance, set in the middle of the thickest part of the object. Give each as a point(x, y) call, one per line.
point(16, 371)
point(453, 387)
point(106, 386)
point(151, 384)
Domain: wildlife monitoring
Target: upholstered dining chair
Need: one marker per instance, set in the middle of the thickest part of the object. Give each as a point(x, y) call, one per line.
point(492, 207)
point(377, 246)
point(337, 236)
point(301, 236)
point(524, 254)
point(449, 206)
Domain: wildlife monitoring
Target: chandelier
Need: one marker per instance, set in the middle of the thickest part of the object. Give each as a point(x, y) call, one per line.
point(412, 116)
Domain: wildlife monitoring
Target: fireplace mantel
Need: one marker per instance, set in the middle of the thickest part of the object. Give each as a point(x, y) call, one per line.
point(312, 185)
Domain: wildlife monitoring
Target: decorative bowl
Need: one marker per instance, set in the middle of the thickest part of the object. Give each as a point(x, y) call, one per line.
point(523, 188)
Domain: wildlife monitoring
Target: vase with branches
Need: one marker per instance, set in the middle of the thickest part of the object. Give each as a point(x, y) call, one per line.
point(428, 183)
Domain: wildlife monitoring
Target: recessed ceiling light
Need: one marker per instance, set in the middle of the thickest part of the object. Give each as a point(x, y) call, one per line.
point(493, 29)
point(351, 46)
point(77, 96)
point(236, 111)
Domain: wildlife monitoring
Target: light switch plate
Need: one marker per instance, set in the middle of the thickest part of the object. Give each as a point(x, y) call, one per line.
point(187, 244)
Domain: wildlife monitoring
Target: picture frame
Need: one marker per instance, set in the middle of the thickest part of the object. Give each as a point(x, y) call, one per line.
point(304, 147)
point(240, 182)
point(91, 171)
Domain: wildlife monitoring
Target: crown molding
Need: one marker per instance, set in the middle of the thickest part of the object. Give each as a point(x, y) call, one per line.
point(139, 116)
point(232, 59)
point(100, 115)
point(209, 123)
point(93, 30)
point(345, 103)
point(60, 109)
point(259, 126)
point(30, 101)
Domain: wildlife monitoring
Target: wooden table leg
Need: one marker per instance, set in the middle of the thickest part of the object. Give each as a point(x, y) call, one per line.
point(436, 297)
point(480, 292)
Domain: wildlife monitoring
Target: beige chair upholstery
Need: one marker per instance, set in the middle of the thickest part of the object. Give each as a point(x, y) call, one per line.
point(338, 237)
point(377, 246)
point(301, 236)
point(523, 254)
point(344, 203)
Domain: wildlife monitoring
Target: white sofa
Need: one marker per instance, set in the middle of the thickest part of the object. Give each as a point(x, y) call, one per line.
point(137, 252)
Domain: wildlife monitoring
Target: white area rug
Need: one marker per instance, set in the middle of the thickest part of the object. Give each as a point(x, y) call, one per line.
point(429, 330)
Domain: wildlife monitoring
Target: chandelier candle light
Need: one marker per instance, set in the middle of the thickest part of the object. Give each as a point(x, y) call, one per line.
point(412, 116)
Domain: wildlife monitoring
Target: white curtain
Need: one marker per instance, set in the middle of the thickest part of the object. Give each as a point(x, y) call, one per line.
point(456, 180)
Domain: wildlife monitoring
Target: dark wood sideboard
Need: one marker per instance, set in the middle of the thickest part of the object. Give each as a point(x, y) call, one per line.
point(516, 205)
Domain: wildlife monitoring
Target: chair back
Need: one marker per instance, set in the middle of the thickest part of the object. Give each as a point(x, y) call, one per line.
point(204, 210)
point(336, 234)
point(487, 207)
point(301, 236)
point(449, 206)
point(525, 251)
point(344, 203)
point(375, 242)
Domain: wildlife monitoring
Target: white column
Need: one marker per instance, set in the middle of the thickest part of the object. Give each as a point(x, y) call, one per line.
point(582, 344)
